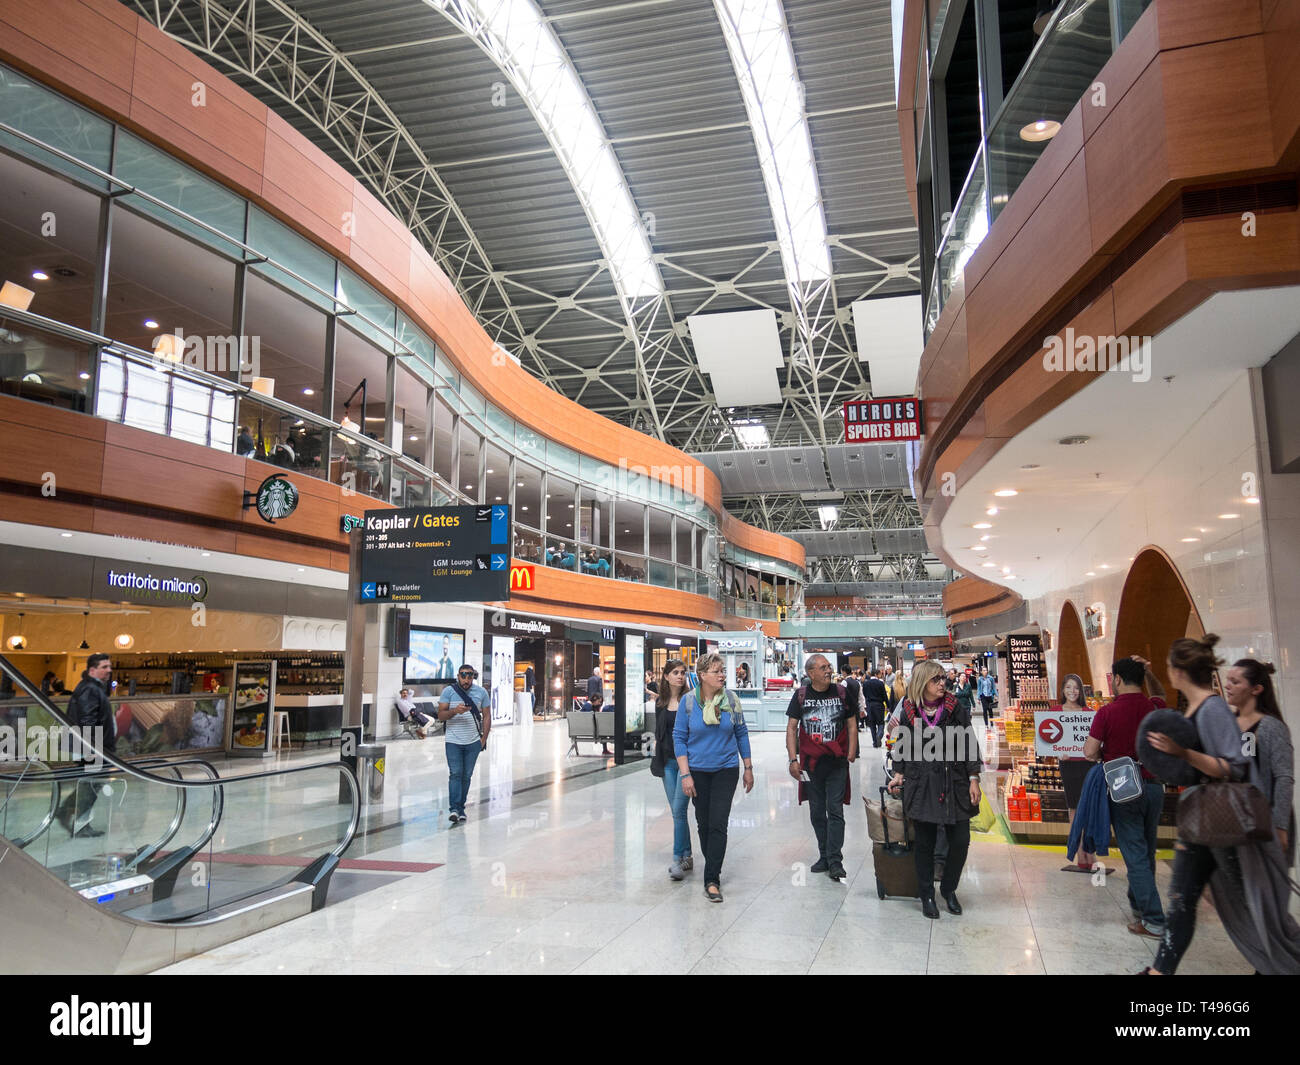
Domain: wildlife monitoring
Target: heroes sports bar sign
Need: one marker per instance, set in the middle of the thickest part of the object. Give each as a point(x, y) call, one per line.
point(436, 554)
point(878, 420)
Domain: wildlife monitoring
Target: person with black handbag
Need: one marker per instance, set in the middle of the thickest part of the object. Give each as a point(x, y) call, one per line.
point(1209, 847)
point(663, 763)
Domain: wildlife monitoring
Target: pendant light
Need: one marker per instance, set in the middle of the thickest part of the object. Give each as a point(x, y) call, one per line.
point(19, 641)
point(85, 617)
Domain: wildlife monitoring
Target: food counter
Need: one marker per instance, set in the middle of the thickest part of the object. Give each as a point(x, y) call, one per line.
point(318, 718)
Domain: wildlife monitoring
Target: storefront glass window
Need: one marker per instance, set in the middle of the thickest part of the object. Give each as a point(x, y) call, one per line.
point(158, 174)
point(528, 495)
point(661, 537)
point(593, 519)
point(285, 344)
point(629, 527)
point(295, 253)
point(55, 121)
point(376, 319)
point(356, 360)
point(528, 546)
point(67, 256)
point(662, 574)
point(161, 283)
point(497, 476)
point(559, 506)
point(685, 541)
point(467, 479)
point(444, 441)
point(411, 415)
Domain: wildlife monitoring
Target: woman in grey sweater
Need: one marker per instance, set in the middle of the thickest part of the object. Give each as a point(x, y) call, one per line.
point(1249, 690)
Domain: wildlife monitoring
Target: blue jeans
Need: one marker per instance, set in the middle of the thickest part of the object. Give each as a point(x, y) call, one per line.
point(677, 803)
point(1135, 825)
point(460, 767)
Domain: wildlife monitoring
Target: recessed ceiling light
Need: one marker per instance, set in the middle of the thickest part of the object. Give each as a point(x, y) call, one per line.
point(40, 275)
point(492, 471)
point(986, 536)
point(523, 508)
point(989, 565)
point(206, 554)
point(302, 569)
point(66, 536)
point(979, 547)
point(992, 512)
point(1042, 130)
point(1005, 493)
point(1253, 500)
point(1090, 573)
point(149, 323)
point(413, 438)
point(1228, 517)
point(982, 525)
point(1104, 565)
point(308, 391)
point(1191, 540)
point(498, 499)
point(469, 488)
point(1006, 570)
point(84, 376)
point(519, 484)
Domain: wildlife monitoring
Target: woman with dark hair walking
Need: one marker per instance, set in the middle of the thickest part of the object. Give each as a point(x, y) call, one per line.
point(1249, 690)
point(1249, 881)
point(663, 763)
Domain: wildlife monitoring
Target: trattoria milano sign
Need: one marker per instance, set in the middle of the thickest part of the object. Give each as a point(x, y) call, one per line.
point(153, 585)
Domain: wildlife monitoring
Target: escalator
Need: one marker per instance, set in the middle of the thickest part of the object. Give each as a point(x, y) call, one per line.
point(126, 867)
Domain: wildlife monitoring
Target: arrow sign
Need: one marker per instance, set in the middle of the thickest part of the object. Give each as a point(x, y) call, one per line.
point(367, 591)
point(500, 526)
point(498, 561)
point(1051, 730)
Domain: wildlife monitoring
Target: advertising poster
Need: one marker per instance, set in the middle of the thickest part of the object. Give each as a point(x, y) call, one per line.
point(503, 680)
point(634, 682)
point(252, 695)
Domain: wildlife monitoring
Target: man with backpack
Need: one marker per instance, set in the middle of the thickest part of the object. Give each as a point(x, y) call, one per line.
point(821, 738)
point(461, 706)
point(1136, 821)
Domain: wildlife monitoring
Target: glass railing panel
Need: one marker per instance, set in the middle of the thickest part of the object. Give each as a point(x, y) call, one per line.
point(358, 467)
point(41, 366)
point(281, 438)
point(1062, 69)
point(528, 546)
point(560, 554)
point(967, 229)
point(629, 567)
point(596, 561)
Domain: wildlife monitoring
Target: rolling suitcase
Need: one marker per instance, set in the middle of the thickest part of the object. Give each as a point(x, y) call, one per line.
point(895, 866)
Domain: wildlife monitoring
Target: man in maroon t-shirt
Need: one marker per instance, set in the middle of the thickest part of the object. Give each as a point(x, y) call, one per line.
point(1114, 735)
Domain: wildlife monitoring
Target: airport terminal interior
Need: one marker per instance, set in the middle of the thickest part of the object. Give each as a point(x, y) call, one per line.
point(733, 487)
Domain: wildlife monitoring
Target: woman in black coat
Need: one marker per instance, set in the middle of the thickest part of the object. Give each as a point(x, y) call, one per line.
point(937, 764)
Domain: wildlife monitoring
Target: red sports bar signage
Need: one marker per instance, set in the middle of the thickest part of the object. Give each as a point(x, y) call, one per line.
point(871, 420)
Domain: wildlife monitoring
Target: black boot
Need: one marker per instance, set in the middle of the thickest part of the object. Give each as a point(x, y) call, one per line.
point(953, 905)
point(928, 906)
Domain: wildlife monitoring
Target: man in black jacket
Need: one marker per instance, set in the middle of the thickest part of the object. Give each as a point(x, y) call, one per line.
point(89, 709)
point(874, 689)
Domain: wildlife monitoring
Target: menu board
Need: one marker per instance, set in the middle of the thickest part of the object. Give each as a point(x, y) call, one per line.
point(1024, 660)
point(252, 702)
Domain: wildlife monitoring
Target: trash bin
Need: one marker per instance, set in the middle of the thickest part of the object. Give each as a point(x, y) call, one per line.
point(370, 772)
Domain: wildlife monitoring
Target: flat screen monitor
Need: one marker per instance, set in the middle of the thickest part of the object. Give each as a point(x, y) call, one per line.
point(435, 655)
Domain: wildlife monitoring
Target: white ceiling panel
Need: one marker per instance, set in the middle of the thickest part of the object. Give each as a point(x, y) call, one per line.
point(890, 340)
point(741, 352)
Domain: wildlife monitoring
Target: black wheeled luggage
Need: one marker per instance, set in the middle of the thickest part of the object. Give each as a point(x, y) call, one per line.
point(895, 866)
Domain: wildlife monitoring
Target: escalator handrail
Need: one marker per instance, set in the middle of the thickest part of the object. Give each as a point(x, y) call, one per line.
point(34, 692)
point(21, 842)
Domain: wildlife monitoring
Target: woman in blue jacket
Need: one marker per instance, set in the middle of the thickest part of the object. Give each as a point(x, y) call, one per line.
point(708, 736)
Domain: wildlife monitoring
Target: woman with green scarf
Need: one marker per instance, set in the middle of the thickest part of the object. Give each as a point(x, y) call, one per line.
point(708, 735)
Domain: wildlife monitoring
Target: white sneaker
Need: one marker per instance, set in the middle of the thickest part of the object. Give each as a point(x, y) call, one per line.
point(676, 872)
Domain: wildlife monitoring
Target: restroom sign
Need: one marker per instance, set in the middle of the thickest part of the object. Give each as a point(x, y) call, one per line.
point(882, 420)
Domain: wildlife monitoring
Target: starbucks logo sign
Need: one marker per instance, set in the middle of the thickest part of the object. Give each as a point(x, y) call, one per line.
point(276, 498)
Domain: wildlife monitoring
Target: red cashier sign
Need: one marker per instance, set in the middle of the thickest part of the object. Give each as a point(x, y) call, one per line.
point(871, 420)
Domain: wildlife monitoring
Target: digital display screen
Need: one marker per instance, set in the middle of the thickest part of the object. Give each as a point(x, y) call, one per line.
point(435, 655)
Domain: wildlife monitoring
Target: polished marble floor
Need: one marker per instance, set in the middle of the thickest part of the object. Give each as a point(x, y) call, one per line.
point(562, 867)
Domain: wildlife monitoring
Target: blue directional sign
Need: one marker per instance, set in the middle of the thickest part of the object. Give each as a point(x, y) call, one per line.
point(436, 554)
